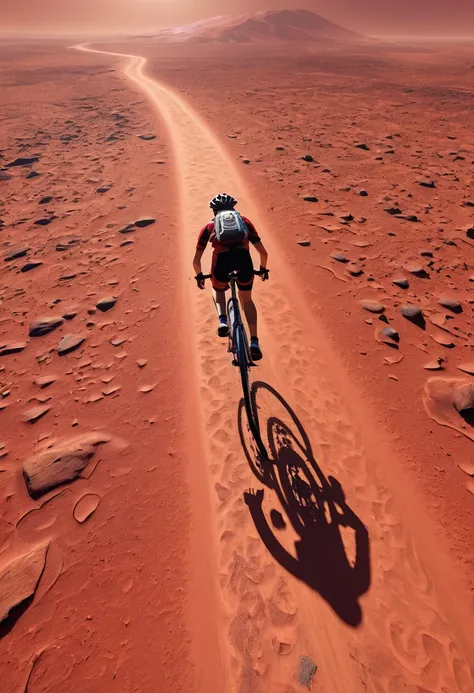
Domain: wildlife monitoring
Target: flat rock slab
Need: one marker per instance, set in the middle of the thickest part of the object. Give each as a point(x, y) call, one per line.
point(372, 306)
point(401, 283)
point(451, 304)
point(44, 221)
point(147, 138)
point(128, 228)
point(106, 303)
point(467, 368)
point(35, 413)
point(61, 464)
point(23, 161)
point(16, 254)
point(31, 266)
point(70, 342)
point(43, 326)
point(20, 577)
point(15, 348)
point(86, 506)
point(144, 221)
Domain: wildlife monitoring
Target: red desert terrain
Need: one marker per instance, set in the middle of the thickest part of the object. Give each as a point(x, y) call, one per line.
point(144, 547)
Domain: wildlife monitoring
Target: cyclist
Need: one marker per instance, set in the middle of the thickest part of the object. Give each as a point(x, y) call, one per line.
point(230, 256)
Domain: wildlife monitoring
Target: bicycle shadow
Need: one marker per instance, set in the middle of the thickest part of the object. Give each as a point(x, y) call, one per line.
point(316, 508)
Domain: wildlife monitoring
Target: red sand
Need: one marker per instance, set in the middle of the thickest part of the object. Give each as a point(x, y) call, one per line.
point(163, 572)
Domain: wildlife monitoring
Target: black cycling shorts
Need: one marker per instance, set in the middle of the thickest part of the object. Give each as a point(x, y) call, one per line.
point(225, 263)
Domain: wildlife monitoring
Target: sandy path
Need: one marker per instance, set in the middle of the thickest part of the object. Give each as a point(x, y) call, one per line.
point(391, 626)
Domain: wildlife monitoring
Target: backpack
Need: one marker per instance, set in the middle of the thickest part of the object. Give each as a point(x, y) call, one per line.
point(230, 228)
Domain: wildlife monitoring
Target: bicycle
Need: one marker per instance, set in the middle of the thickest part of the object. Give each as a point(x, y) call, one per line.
point(239, 348)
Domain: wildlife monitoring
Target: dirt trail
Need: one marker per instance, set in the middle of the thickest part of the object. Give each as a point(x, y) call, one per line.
point(390, 626)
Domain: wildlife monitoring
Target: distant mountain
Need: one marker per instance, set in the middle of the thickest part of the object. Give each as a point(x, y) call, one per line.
point(287, 26)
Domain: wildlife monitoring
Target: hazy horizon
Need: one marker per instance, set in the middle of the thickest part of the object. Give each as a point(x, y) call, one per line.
point(414, 18)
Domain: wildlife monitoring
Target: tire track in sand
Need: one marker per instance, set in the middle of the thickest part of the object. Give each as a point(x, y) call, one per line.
point(407, 641)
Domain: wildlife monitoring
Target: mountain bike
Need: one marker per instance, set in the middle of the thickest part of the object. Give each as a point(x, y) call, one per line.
point(242, 359)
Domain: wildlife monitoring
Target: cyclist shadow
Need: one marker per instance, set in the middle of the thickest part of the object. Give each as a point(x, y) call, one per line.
point(316, 508)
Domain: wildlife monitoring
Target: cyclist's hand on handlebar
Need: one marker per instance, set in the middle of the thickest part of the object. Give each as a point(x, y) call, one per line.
point(200, 280)
point(264, 273)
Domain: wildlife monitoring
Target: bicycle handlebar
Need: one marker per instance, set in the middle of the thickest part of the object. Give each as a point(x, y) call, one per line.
point(259, 273)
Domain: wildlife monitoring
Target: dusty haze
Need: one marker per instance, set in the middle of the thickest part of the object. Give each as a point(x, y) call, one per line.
point(412, 17)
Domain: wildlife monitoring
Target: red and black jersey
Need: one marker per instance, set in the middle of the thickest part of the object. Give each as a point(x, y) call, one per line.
point(207, 234)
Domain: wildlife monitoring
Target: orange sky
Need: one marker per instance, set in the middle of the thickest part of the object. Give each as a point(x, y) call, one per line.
point(392, 17)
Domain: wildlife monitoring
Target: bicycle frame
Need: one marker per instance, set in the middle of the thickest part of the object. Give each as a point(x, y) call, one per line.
point(236, 326)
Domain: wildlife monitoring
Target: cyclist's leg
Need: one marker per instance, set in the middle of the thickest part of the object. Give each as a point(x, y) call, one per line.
point(250, 310)
point(245, 284)
point(220, 302)
point(220, 285)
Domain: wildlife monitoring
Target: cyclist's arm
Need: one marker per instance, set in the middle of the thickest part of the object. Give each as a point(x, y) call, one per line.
point(203, 240)
point(197, 260)
point(254, 239)
point(260, 248)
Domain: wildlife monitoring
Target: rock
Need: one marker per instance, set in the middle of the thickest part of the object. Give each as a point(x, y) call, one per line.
point(426, 253)
point(144, 221)
point(451, 304)
point(443, 339)
point(106, 303)
point(363, 193)
point(467, 368)
point(470, 232)
point(141, 363)
point(436, 365)
point(372, 306)
point(19, 578)
point(426, 183)
point(347, 217)
point(103, 188)
point(35, 413)
point(5, 176)
point(67, 277)
point(417, 270)
point(354, 271)
point(362, 146)
point(409, 217)
point(306, 671)
point(307, 157)
point(310, 198)
point(68, 343)
point(60, 464)
point(45, 220)
point(414, 314)
point(468, 203)
point(390, 333)
point(45, 381)
point(23, 161)
point(42, 326)
point(147, 388)
point(70, 315)
point(129, 228)
point(339, 257)
point(31, 266)
point(45, 200)
point(16, 254)
point(85, 507)
point(246, 161)
point(401, 283)
point(15, 348)
point(147, 138)
point(33, 174)
point(305, 244)
point(464, 397)
point(393, 210)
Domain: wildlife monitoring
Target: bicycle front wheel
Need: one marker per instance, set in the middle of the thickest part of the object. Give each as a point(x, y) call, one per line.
point(242, 352)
